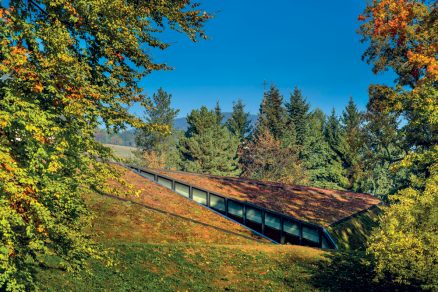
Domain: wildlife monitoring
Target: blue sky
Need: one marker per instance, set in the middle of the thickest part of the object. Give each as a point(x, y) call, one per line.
point(309, 44)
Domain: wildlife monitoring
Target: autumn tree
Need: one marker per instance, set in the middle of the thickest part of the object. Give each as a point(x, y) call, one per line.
point(66, 66)
point(402, 35)
point(208, 147)
point(265, 158)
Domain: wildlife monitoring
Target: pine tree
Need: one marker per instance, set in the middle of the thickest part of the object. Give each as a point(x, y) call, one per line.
point(272, 114)
point(298, 111)
point(208, 147)
point(239, 123)
point(157, 111)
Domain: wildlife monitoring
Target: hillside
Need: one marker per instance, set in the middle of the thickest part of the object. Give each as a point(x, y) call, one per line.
point(162, 241)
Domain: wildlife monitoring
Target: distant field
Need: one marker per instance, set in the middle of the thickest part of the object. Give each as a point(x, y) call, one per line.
point(122, 151)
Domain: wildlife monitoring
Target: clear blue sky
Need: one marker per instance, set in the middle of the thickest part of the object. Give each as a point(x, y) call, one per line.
point(309, 44)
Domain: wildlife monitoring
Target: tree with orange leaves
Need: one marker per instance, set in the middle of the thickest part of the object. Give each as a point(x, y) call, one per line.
point(64, 67)
point(402, 35)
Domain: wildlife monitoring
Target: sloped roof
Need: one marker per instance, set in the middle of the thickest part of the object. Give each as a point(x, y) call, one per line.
point(311, 204)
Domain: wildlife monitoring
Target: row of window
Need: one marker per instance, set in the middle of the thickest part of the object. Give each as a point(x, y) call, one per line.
point(294, 232)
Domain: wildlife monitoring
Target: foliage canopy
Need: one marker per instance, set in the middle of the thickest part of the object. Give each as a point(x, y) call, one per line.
point(66, 66)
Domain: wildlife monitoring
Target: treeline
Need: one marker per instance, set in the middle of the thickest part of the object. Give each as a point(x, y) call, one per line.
point(289, 143)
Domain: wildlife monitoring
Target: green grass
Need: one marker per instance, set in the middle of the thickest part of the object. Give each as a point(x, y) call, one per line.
point(353, 233)
point(153, 251)
point(153, 259)
point(149, 267)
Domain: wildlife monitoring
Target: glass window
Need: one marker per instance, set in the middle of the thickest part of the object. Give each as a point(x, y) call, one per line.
point(199, 196)
point(291, 227)
point(165, 182)
point(148, 175)
point(235, 208)
point(272, 221)
point(182, 189)
point(253, 215)
point(311, 234)
point(325, 243)
point(217, 203)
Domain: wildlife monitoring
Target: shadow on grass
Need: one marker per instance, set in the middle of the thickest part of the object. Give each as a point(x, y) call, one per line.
point(351, 271)
point(255, 238)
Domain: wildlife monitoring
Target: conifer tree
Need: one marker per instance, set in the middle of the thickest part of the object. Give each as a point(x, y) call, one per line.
point(383, 139)
point(272, 153)
point(239, 123)
point(157, 111)
point(158, 149)
point(208, 147)
point(218, 113)
point(298, 111)
point(334, 135)
point(351, 122)
point(272, 114)
point(321, 162)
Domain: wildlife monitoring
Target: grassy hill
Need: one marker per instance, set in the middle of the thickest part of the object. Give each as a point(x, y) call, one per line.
point(163, 242)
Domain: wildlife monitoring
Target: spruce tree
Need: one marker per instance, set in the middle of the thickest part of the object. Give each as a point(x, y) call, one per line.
point(208, 147)
point(239, 123)
point(322, 163)
point(272, 114)
point(351, 122)
point(298, 111)
point(218, 113)
point(334, 135)
point(272, 153)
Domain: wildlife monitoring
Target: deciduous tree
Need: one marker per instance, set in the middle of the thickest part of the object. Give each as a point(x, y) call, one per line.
point(64, 67)
point(265, 158)
point(402, 35)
